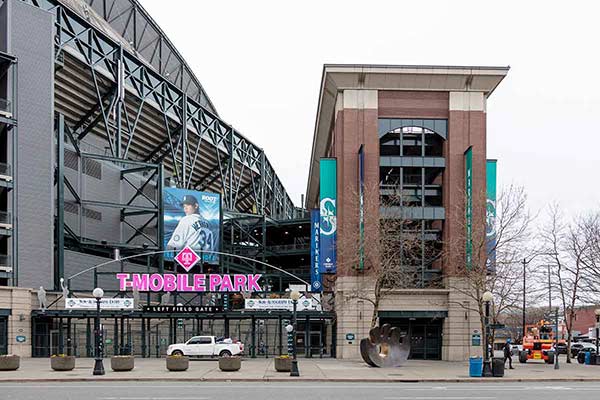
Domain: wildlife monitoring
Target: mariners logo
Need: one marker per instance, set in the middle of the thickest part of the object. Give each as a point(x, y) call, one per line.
point(328, 218)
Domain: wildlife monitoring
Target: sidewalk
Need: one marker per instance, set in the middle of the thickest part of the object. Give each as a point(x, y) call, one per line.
point(323, 370)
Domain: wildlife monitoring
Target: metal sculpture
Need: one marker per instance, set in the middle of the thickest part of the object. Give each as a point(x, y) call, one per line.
point(385, 347)
point(64, 288)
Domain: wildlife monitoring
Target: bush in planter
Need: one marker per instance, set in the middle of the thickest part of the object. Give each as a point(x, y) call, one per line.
point(178, 363)
point(283, 364)
point(230, 363)
point(62, 362)
point(122, 363)
point(9, 362)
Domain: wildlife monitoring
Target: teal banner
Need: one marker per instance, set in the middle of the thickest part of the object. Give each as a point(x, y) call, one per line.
point(469, 207)
point(361, 208)
point(328, 215)
point(490, 213)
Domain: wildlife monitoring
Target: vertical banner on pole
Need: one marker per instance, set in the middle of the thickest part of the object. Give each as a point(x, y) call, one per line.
point(328, 215)
point(316, 283)
point(490, 213)
point(361, 208)
point(469, 207)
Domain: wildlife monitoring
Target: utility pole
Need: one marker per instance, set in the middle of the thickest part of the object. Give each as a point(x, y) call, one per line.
point(524, 289)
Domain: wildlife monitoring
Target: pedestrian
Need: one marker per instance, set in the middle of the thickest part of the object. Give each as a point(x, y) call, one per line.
point(508, 354)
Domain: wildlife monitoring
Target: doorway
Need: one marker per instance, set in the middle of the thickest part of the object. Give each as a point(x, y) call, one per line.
point(425, 336)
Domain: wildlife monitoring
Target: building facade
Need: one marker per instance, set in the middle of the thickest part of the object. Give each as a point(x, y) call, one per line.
point(110, 116)
point(414, 126)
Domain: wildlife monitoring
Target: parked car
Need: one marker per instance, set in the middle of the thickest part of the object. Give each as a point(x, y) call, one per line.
point(209, 346)
point(576, 348)
point(561, 348)
point(581, 354)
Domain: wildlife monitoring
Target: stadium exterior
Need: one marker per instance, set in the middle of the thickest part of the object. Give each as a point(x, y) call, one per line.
point(101, 118)
point(99, 115)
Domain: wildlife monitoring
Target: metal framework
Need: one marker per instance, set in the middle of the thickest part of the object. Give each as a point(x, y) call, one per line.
point(111, 90)
point(8, 171)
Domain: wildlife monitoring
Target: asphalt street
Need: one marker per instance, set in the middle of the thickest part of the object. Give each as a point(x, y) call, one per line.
point(291, 391)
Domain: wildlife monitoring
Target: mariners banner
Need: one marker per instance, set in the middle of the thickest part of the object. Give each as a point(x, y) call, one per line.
point(469, 207)
point(361, 209)
point(328, 215)
point(316, 283)
point(490, 232)
point(192, 219)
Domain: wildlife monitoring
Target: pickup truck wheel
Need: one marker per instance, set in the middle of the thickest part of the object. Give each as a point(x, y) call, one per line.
point(177, 353)
point(225, 353)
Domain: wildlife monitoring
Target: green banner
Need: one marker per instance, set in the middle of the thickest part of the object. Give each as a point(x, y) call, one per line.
point(490, 214)
point(328, 216)
point(469, 207)
point(361, 208)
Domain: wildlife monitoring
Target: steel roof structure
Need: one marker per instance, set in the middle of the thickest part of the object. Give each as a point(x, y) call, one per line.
point(119, 78)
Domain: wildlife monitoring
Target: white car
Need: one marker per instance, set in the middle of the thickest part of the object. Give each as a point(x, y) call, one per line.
point(206, 346)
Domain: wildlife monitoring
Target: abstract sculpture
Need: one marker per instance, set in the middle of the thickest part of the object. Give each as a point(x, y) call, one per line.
point(383, 348)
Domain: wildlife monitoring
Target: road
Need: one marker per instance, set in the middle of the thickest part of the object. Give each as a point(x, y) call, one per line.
point(292, 391)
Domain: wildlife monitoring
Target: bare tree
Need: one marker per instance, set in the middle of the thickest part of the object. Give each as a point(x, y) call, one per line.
point(495, 266)
point(391, 250)
point(570, 249)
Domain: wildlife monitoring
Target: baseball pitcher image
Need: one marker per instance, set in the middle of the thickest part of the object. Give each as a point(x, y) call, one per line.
point(191, 230)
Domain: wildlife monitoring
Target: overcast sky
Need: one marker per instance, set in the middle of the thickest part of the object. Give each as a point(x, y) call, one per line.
point(261, 62)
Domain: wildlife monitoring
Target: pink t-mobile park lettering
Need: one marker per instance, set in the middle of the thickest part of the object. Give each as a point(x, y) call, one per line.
point(190, 282)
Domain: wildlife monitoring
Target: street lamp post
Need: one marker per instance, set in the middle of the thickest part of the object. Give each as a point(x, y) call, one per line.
point(597, 312)
point(487, 362)
point(98, 293)
point(294, 295)
point(556, 366)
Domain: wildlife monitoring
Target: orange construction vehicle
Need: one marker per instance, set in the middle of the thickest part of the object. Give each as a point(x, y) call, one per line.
point(538, 343)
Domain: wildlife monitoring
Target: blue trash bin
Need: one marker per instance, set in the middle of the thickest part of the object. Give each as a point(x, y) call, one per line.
point(588, 357)
point(475, 367)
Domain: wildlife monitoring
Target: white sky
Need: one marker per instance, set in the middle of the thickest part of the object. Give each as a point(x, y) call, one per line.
point(261, 62)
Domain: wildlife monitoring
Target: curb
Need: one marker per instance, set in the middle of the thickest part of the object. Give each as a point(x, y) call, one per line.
point(286, 380)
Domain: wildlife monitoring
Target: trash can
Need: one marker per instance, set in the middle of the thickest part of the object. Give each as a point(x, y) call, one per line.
point(588, 357)
point(498, 367)
point(475, 367)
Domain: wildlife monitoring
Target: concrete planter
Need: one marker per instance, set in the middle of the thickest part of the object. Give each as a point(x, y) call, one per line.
point(178, 363)
point(9, 362)
point(122, 363)
point(62, 363)
point(283, 364)
point(230, 363)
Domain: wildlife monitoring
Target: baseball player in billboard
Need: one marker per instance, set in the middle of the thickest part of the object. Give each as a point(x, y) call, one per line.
point(191, 230)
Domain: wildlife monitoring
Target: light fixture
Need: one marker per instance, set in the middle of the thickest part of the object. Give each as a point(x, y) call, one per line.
point(487, 296)
point(98, 293)
point(289, 328)
point(597, 311)
point(295, 295)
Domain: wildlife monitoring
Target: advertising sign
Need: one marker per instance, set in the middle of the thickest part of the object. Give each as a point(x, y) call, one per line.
point(316, 283)
point(192, 219)
point(119, 303)
point(189, 282)
point(328, 215)
point(182, 309)
point(361, 208)
point(469, 206)
point(280, 304)
point(490, 232)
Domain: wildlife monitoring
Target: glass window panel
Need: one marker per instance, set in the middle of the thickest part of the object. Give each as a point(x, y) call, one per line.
point(429, 124)
point(441, 127)
point(384, 126)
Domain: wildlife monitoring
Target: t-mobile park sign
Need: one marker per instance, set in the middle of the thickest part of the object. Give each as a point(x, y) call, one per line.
point(187, 258)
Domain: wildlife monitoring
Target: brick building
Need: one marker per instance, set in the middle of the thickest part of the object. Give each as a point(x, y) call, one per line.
point(414, 124)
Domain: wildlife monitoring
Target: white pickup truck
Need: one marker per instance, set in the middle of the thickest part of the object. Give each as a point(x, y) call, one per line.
point(206, 346)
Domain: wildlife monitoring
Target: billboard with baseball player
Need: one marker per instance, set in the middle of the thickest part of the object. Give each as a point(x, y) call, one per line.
point(193, 219)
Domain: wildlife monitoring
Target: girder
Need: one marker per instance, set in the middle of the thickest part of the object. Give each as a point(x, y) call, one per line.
point(149, 115)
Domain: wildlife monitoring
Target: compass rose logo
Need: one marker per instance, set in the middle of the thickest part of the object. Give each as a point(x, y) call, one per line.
point(328, 218)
